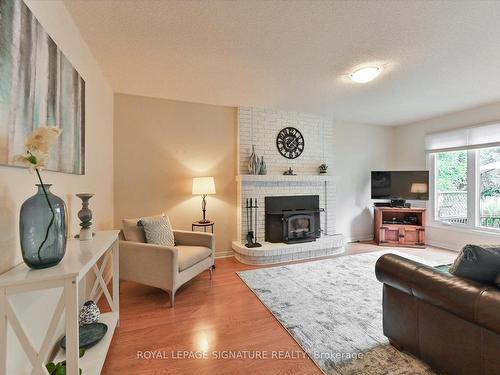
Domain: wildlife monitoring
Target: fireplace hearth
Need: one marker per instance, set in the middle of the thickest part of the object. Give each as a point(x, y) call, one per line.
point(292, 219)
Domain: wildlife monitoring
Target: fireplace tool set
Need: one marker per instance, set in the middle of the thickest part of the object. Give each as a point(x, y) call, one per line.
point(251, 206)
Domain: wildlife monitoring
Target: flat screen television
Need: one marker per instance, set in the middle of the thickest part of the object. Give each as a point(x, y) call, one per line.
point(404, 185)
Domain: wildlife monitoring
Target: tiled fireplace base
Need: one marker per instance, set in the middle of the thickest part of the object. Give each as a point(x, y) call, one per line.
point(271, 253)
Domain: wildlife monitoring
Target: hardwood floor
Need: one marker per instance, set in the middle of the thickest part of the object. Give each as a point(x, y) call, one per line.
point(221, 315)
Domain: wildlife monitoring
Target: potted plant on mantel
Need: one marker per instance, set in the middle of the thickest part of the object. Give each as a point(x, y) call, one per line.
point(42, 221)
point(323, 168)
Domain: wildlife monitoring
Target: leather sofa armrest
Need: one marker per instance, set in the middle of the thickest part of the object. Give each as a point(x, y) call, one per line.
point(396, 271)
point(488, 309)
point(188, 238)
point(478, 303)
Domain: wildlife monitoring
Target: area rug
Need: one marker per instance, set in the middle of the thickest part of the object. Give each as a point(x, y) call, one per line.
point(333, 309)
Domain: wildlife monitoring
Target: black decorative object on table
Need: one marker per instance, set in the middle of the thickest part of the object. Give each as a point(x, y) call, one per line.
point(251, 206)
point(90, 335)
point(289, 172)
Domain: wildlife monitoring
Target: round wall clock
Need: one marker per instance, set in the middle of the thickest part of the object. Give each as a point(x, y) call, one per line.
point(290, 142)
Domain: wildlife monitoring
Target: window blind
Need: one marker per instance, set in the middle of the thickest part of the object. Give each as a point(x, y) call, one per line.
point(465, 138)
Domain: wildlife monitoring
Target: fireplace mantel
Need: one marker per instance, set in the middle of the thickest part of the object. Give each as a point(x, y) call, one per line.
point(284, 178)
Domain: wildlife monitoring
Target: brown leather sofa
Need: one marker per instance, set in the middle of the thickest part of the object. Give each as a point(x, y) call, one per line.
point(450, 323)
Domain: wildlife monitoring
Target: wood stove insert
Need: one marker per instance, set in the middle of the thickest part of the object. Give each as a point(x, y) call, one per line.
point(292, 219)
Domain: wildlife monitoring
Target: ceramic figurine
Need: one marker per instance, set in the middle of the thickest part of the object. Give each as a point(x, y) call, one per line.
point(85, 216)
point(89, 313)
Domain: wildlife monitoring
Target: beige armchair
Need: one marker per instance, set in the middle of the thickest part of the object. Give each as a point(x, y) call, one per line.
point(164, 267)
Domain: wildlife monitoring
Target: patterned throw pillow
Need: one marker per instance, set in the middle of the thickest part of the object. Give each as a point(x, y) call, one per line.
point(158, 230)
point(479, 263)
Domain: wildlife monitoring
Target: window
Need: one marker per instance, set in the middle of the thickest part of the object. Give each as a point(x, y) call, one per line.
point(489, 187)
point(467, 187)
point(465, 176)
point(451, 187)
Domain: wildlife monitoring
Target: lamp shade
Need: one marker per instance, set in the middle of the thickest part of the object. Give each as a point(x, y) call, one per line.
point(203, 185)
point(419, 188)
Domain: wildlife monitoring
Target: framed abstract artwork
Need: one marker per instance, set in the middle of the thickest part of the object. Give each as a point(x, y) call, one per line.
point(38, 87)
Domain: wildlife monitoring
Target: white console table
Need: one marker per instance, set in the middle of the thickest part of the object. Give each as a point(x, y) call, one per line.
point(80, 258)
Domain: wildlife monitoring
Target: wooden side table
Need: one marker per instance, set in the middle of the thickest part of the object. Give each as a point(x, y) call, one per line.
point(197, 224)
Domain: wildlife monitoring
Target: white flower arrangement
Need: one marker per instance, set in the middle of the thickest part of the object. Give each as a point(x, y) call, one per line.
point(38, 146)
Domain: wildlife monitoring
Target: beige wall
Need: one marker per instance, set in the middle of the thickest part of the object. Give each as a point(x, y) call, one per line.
point(17, 184)
point(359, 149)
point(159, 146)
point(410, 155)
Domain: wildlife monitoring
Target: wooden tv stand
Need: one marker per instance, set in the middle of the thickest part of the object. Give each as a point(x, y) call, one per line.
point(393, 226)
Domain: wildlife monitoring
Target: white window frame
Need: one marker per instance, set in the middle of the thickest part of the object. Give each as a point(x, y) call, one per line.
point(473, 205)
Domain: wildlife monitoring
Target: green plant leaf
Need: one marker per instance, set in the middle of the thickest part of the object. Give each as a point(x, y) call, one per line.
point(51, 367)
point(32, 159)
point(82, 352)
point(61, 371)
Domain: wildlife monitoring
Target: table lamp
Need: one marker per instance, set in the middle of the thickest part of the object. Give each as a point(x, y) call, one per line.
point(419, 189)
point(203, 186)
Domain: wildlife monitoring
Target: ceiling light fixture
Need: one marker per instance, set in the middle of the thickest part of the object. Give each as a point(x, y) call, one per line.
point(366, 74)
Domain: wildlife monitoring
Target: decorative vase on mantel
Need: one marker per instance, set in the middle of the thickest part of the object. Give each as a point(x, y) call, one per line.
point(253, 162)
point(263, 166)
point(43, 229)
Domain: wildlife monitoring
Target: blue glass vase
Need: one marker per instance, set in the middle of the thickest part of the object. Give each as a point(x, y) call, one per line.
point(41, 246)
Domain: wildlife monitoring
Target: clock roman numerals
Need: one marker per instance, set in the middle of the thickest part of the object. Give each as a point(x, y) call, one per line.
point(290, 142)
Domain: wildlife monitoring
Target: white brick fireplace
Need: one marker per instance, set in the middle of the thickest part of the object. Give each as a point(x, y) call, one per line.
point(260, 128)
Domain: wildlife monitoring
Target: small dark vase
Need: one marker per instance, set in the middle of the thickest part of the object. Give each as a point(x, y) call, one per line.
point(35, 218)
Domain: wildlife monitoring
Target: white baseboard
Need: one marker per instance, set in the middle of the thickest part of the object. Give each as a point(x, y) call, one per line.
point(359, 238)
point(224, 254)
point(440, 244)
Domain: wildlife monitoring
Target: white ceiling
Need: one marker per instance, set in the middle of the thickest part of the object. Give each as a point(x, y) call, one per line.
point(439, 56)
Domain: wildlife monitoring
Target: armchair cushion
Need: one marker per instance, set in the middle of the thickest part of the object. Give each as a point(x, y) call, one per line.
point(132, 231)
point(190, 255)
point(158, 230)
